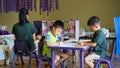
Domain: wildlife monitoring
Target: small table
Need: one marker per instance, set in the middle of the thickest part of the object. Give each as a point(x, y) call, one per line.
point(70, 47)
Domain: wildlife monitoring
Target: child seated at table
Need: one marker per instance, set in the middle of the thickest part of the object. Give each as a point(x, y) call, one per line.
point(52, 39)
point(39, 43)
point(36, 42)
point(98, 42)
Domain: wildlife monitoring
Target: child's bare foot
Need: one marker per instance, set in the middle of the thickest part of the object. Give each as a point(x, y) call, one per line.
point(61, 60)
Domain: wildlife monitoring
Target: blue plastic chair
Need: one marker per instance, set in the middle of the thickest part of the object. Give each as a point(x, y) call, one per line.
point(21, 49)
point(107, 60)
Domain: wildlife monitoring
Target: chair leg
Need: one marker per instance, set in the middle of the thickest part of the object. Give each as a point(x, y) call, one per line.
point(62, 64)
point(29, 62)
point(97, 64)
point(13, 61)
point(65, 64)
point(110, 64)
point(40, 62)
point(49, 61)
point(36, 57)
point(21, 59)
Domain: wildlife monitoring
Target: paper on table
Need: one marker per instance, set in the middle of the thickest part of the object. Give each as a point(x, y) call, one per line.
point(68, 45)
point(85, 40)
point(75, 41)
point(71, 41)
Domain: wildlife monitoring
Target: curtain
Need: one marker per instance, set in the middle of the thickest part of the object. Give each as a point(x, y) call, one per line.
point(117, 30)
point(0, 6)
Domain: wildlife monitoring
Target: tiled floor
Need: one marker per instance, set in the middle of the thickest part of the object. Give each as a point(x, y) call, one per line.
point(116, 63)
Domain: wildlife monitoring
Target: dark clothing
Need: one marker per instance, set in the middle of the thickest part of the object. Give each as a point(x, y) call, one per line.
point(25, 32)
point(40, 46)
point(101, 47)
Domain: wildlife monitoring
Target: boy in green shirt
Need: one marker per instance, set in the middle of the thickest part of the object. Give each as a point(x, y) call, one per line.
point(53, 39)
point(98, 42)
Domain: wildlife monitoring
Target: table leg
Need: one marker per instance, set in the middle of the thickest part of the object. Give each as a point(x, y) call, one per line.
point(52, 57)
point(81, 59)
point(73, 58)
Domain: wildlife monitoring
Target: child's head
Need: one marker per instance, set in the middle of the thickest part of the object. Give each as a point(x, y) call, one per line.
point(38, 36)
point(94, 23)
point(57, 27)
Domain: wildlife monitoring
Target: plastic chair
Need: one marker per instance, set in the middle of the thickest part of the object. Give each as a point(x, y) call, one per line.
point(33, 56)
point(49, 61)
point(39, 52)
point(21, 49)
point(107, 60)
point(41, 58)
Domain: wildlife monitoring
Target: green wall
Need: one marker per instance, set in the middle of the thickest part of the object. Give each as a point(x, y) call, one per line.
point(73, 9)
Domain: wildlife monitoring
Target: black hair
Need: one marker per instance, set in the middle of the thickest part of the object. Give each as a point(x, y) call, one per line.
point(58, 23)
point(93, 21)
point(37, 34)
point(22, 16)
point(40, 34)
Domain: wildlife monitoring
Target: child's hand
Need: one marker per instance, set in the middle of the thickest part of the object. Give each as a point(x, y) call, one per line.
point(58, 43)
point(61, 43)
point(81, 43)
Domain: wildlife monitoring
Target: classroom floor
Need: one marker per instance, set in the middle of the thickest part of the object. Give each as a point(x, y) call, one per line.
point(116, 63)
